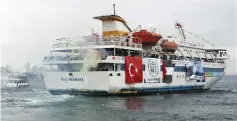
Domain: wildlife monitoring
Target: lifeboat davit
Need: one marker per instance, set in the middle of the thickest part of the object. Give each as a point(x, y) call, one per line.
point(145, 37)
point(168, 46)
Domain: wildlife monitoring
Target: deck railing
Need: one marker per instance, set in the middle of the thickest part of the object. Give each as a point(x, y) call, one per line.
point(78, 44)
point(88, 41)
point(69, 58)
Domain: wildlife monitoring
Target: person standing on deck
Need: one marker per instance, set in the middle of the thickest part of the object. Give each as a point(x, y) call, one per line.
point(186, 71)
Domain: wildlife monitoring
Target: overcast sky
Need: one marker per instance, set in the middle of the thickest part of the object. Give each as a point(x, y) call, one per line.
point(28, 28)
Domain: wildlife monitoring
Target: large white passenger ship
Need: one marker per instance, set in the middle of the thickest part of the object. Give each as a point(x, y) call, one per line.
point(132, 62)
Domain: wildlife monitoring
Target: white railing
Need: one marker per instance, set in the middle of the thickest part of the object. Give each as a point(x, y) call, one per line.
point(63, 58)
point(182, 42)
point(68, 58)
point(92, 40)
point(77, 44)
point(190, 44)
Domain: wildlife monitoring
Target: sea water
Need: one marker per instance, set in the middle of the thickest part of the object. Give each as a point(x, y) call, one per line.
point(35, 103)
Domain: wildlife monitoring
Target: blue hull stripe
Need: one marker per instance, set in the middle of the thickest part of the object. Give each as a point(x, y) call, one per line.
point(139, 90)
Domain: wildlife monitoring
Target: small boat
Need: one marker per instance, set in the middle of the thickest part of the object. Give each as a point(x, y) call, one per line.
point(16, 81)
point(146, 37)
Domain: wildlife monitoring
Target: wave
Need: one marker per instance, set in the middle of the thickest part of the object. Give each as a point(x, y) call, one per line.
point(36, 98)
point(49, 99)
point(223, 90)
point(12, 99)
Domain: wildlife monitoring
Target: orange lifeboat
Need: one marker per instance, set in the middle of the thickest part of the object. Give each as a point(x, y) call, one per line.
point(145, 37)
point(169, 46)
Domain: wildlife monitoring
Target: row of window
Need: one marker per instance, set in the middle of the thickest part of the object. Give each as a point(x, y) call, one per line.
point(182, 69)
point(179, 69)
point(213, 69)
point(121, 67)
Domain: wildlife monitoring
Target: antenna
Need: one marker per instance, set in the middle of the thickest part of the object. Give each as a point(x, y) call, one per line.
point(114, 8)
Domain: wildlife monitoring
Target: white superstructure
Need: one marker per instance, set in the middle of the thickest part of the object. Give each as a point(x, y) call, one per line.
point(108, 64)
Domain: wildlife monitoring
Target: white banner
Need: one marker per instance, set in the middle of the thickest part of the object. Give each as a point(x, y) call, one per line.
point(152, 72)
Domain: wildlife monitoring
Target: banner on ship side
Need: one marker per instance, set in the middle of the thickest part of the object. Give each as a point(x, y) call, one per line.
point(196, 71)
point(152, 72)
point(133, 70)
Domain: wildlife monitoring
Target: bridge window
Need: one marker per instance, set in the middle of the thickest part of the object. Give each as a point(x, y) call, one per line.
point(154, 56)
point(179, 69)
point(103, 67)
point(122, 67)
point(135, 53)
point(213, 69)
point(168, 63)
point(121, 52)
point(119, 67)
point(107, 51)
point(204, 69)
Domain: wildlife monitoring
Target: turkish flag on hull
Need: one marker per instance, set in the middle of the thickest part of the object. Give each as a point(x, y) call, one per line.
point(133, 70)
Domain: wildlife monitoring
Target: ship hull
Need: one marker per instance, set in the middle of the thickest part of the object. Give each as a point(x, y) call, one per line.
point(110, 86)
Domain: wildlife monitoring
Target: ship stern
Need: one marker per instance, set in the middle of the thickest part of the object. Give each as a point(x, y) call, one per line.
point(77, 83)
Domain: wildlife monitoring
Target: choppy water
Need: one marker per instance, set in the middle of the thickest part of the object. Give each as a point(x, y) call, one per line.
point(36, 104)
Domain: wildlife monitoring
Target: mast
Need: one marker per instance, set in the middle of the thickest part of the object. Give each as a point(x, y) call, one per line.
point(180, 29)
point(114, 8)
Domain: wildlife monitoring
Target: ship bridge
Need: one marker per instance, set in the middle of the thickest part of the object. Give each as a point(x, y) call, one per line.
point(113, 25)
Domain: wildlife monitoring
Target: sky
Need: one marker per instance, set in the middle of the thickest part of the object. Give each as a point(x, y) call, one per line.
point(28, 28)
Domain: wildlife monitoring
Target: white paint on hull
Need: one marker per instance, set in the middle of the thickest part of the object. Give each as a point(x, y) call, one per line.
point(101, 81)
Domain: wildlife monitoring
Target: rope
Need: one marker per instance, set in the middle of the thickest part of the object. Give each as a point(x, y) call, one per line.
point(199, 37)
